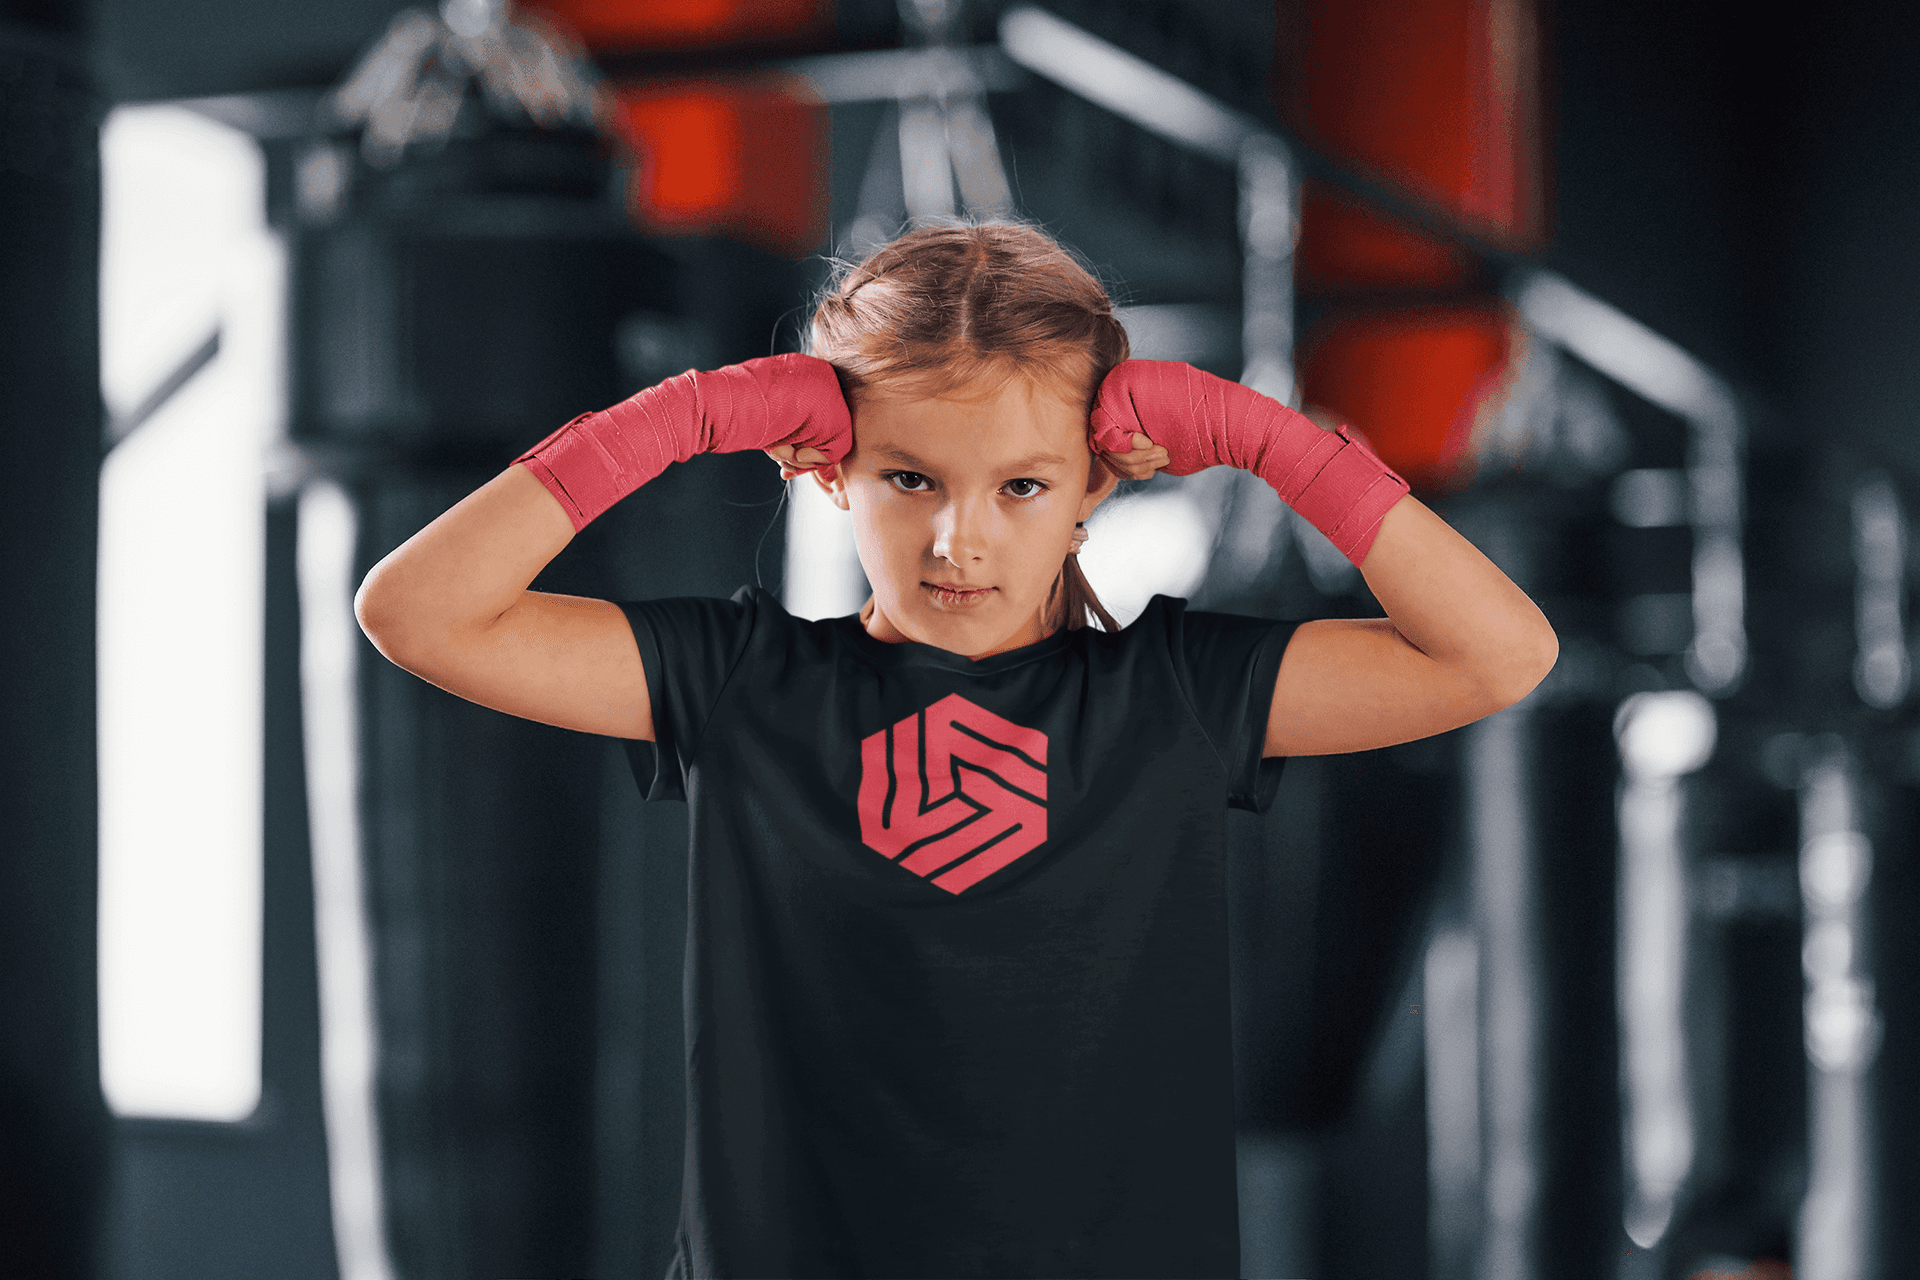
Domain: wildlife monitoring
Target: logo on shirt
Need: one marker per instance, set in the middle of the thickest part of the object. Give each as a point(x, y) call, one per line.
point(954, 792)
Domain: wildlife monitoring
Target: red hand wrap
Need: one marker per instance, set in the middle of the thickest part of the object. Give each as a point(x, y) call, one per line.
point(1331, 478)
point(599, 458)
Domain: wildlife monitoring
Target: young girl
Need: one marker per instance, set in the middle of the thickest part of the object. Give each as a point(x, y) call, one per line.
point(957, 964)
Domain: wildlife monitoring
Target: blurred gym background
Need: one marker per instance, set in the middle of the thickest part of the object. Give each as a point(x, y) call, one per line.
point(310, 971)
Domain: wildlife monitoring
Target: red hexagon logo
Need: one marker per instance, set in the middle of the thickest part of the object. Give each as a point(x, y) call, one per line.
point(954, 790)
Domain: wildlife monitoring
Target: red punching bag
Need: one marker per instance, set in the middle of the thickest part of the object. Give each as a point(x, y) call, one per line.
point(1440, 100)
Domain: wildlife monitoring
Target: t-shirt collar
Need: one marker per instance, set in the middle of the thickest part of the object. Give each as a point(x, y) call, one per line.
point(911, 653)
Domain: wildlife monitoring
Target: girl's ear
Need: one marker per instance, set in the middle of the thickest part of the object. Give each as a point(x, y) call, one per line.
point(833, 483)
point(1101, 481)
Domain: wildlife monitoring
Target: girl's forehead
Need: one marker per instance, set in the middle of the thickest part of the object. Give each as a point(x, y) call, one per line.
point(1025, 433)
point(987, 416)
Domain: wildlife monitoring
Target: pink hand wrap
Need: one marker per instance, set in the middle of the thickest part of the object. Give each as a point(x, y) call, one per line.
point(600, 458)
point(1331, 478)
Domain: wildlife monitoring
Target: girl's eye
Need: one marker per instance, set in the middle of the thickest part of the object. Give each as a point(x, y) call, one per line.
point(908, 481)
point(1025, 488)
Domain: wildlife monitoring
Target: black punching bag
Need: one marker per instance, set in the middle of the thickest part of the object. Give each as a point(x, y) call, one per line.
point(448, 312)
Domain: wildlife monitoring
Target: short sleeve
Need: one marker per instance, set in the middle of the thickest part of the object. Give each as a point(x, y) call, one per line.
point(689, 648)
point(1227, 665)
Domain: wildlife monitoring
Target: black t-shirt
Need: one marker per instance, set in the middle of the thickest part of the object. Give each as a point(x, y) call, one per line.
point(957, 958)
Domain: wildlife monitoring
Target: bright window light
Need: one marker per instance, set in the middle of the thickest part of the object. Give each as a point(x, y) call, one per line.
point(1141, 544)
point(823, 575)
point(187, 265)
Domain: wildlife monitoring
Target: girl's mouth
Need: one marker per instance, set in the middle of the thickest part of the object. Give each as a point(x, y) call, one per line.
point(956, 597)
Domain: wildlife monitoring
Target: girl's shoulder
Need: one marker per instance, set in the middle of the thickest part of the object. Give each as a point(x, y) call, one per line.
point(1171, 621)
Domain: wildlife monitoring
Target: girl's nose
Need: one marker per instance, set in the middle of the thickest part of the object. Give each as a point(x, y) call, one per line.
point(960, 532)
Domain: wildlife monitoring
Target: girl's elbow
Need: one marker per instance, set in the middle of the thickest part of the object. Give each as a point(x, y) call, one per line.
point(373, 611)
point(1528, 666)
point(385, 620)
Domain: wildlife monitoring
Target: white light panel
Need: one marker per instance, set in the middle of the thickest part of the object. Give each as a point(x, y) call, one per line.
point(185, 254)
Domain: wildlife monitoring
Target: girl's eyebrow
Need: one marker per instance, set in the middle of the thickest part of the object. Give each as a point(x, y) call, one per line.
point(900, 457)
point(1032, 462)
point(1036, 462)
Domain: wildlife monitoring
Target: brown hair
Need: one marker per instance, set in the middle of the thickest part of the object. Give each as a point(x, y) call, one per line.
point(947, 305)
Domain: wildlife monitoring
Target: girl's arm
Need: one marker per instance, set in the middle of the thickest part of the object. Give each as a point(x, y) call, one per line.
point(451, 605)
point(1460, 641)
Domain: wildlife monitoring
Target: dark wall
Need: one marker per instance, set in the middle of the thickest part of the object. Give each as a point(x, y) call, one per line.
point(149, 51)
point(52, 1122)
point(1851, 234)
point(1667, 167)
point(1747, 187)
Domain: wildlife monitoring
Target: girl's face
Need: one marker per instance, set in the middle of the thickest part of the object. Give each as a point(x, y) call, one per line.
point(964, 507)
